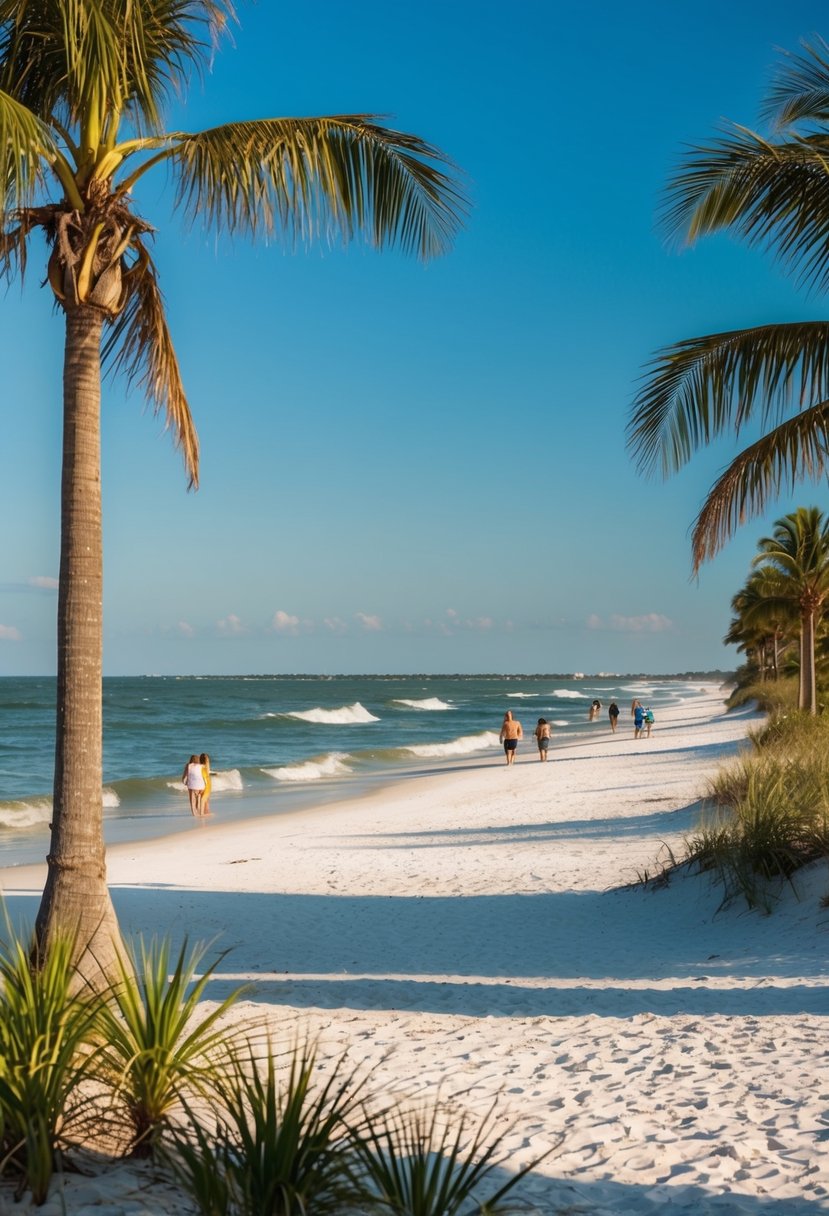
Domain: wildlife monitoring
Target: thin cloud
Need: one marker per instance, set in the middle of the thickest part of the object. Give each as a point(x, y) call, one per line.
point(186, 629)
point(649, 622)
point(230, 626)
point(8, 633)
point(283, 622)
point(335, 624)
point(371, 623)
point(43, 582)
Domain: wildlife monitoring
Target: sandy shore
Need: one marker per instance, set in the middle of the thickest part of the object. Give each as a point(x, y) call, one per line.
point(469, 933)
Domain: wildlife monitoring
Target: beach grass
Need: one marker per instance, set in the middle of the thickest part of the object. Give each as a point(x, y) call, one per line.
point(767, 811)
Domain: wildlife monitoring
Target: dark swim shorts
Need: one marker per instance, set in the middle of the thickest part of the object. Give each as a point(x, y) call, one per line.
point(543, 744)
point(510, 745)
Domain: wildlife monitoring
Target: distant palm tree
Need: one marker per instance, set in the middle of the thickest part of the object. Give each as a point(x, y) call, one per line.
point(83, 85)
point(773, 192)
point(798, 551)
point(764, 619)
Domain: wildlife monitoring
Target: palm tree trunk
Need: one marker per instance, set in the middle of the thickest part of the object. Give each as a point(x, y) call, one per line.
point(75, 898)
point(808, 691)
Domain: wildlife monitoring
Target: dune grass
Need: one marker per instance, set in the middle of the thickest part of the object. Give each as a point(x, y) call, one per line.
point(767, 811)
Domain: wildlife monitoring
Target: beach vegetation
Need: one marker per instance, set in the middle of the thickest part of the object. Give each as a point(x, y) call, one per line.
point(144, 1068)
point(84, 90)
point(766, 812)
point(50, 1034)
point(282, 1145)
point(417, 1163)
point(160, 1047)
point(770, 190)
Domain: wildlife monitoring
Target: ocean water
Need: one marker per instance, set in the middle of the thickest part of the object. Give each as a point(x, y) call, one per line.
point(279, 743)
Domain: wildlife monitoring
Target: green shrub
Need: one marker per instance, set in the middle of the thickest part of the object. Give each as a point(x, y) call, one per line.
point(160, 1048)
point(49, 1037)
point(282, 1147)
point(420, 1164)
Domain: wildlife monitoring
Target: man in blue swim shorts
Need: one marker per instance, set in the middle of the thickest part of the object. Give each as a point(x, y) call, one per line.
point(511, 732)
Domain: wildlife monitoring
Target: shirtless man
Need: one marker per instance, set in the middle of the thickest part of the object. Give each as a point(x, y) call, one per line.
point(511, 732)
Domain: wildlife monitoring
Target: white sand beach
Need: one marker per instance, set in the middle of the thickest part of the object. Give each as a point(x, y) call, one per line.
point(469, 933)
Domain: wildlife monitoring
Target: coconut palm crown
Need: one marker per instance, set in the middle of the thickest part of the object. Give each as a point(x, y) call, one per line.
point(84, 85)
point(797, 553)
point(772, 192)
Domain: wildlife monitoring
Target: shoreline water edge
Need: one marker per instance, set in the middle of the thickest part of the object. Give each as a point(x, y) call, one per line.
point(282, 744)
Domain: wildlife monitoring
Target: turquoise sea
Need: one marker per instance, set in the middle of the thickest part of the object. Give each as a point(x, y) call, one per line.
point(278, 743)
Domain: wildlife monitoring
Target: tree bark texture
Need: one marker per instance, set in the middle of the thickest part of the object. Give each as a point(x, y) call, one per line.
point(76, 898)
point(808, 690)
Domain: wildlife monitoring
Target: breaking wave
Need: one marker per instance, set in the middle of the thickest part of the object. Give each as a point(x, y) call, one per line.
point(346, 715)
point(427, 703)
point(463, 746)
point(332, 765)
point(569, 693)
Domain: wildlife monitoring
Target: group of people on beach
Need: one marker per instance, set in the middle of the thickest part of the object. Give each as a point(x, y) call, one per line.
point(196, 779)
point(512, 731)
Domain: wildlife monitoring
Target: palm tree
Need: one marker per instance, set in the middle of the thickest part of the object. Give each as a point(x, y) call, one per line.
point(773, 192)
point(763, 618)
point(798, 551)
point(83, 87)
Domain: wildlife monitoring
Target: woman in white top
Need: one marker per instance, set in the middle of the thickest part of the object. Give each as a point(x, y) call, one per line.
point(193, 778)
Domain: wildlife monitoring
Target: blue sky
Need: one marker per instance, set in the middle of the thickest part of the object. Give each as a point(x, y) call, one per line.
point(409, 468)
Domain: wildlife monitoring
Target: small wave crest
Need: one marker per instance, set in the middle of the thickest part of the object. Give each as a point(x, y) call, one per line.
point(111, 799)
point(523, 694)
point(569, 694)
point(19, 814)
point(335, 764)
point(226, 779)
point(462, 746)
point(346, 715)
point(426, 703)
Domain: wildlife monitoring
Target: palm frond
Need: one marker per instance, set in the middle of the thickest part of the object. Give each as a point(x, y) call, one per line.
point(775, 195)
point(701, 387)
point(24, 141)
point(335, 177)
point(800, 91)
point(163, 42)
point(797, 449)
point(139, 344)
point(64, 58)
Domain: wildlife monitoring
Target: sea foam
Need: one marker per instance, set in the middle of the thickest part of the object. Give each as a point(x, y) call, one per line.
point(526, 694)
point(332, 765)
point(25, 814)
point(458, 747)
point(346, 715)
point(570, 694)
point(427, 703)
point(224, 780)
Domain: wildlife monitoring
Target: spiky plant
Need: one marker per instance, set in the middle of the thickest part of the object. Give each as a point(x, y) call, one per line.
point(161, 1047)
point(50, 1032)
point(282, 1145)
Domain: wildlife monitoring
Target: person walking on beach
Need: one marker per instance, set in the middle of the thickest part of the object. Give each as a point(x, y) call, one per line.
point(638, 719)
point(594, 710)
point(613, 715)
point(193, 778)
point(204, 761)
point(511, 732)
point(648, 721)
point(543, 733)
